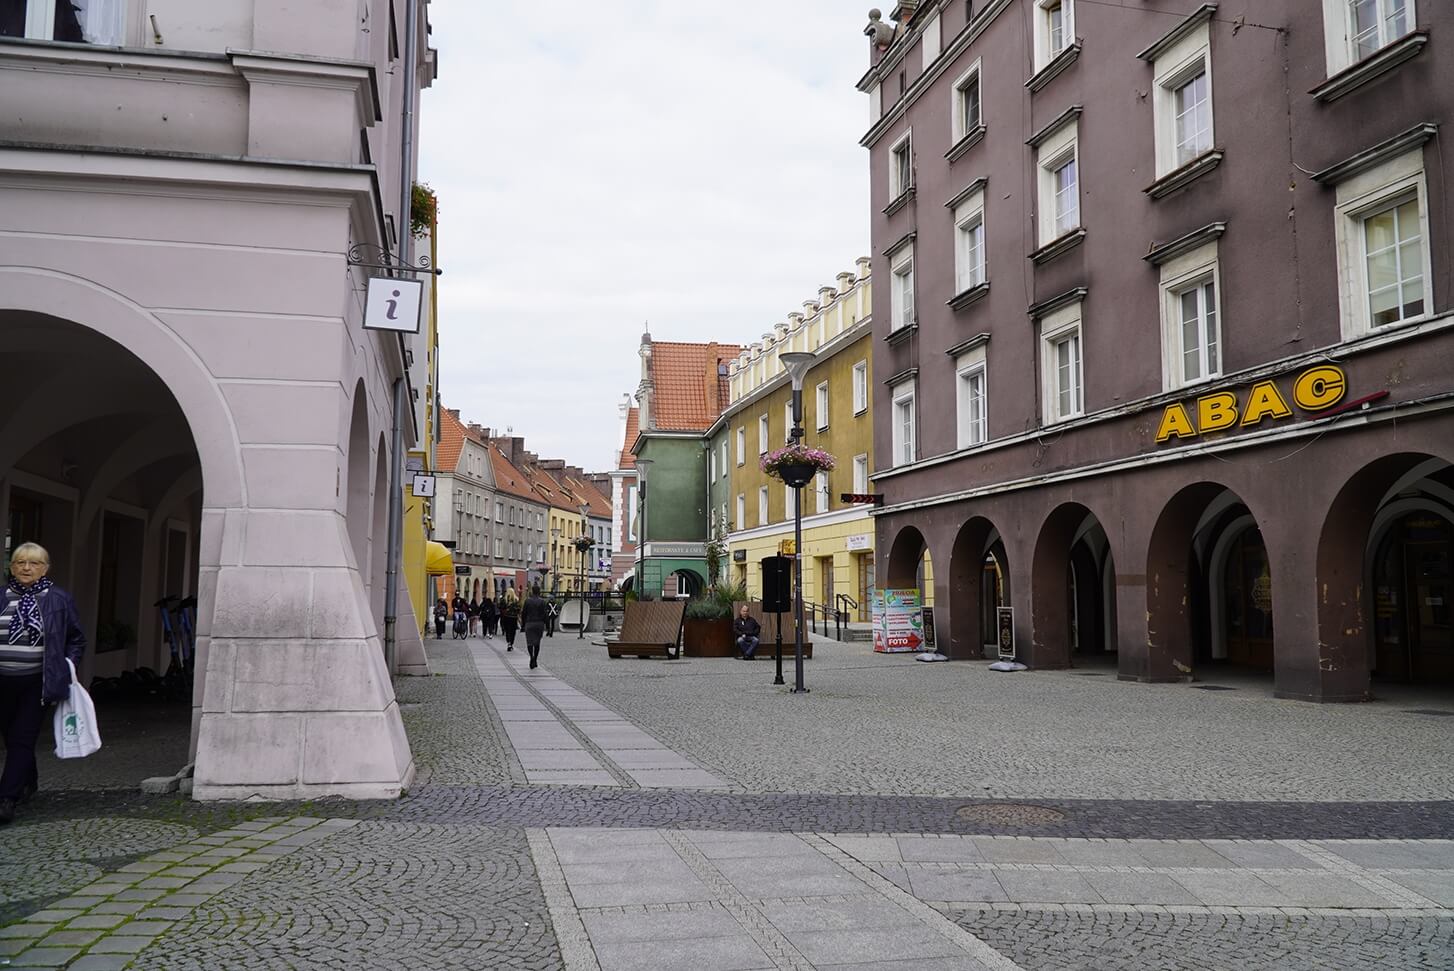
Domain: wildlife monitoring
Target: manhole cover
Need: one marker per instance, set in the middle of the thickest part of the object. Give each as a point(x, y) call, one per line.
point(1429, 711)
point(1010, 814)
point(1213, 687)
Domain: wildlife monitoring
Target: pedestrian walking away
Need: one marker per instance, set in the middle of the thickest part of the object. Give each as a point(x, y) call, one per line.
point(40, 631)
point(441, 617)
point(533, 617)
point(488, 617)
point(509, 617)
point(472, 610)
point(748, 632)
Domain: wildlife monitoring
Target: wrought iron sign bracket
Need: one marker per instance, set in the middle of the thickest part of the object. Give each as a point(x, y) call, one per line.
point(360, 254)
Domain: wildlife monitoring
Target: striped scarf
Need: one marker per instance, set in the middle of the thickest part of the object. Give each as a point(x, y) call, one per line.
point(25, 625)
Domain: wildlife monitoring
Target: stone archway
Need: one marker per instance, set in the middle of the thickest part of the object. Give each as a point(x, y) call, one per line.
point(1071, 605)
point(979, 583)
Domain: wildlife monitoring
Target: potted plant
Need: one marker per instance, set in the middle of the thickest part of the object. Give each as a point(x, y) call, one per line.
point(707, 628)
point(582, 543)
point(796, 463)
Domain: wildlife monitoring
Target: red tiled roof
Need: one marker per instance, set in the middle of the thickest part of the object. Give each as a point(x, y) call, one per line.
point(688, 389)
point(510, 479)
point(627, 458)
point(451, 440)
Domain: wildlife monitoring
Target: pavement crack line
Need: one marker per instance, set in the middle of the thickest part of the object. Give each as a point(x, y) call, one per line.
point(928, 916)
point(1402, 896)
point(772, 941)
point(597, 753)
point(570, 932)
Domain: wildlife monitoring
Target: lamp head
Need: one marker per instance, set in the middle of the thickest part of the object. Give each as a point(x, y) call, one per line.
point(797, 363)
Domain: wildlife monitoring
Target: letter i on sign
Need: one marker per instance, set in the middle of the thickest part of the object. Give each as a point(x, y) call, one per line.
point(393, 313)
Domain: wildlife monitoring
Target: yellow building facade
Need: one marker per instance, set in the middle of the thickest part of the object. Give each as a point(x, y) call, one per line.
point(418, 510)
point(838, 537)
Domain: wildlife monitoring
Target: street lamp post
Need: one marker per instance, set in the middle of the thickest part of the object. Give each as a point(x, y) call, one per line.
point(585, 508)
point(797, 363)
point(554, 542)
point(641, 468)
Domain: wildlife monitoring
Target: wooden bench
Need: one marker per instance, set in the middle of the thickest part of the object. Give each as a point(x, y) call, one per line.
point(767, 639)
point(649, 629)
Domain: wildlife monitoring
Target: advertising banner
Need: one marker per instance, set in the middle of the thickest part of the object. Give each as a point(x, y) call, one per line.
point(876, 618)
point(902, 624)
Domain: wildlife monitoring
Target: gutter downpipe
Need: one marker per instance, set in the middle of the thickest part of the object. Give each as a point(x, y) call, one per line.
point(395, 525)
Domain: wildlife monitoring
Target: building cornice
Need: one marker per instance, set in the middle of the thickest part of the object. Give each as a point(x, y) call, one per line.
point(1049, 306)
point(1179, 178)
point(1405, 141)
point(835, 517)
point(1200, 16)
point(978, 340)
point(1373, 66)
point(1166, 252)
point(978, 185)
point(1061, 120)
point(839, 343)
point(1057, 66)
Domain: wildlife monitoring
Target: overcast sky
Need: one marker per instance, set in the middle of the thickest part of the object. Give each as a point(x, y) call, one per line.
point(599, 165)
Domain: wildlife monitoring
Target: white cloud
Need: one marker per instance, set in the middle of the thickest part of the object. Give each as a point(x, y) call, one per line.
point(599, 165)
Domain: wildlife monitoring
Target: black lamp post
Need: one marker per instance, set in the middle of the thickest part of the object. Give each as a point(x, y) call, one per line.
point(797, 476)
point(585, 508)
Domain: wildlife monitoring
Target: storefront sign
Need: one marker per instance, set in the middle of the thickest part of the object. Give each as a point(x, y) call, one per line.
point(678, 550)
point(787, 547)
point(1005, 619)
point(1316, 389)
point(461, 571)
point(902, 623)
point(862, 541)
point(739, 556)
point(928, 628)
point(876, 618)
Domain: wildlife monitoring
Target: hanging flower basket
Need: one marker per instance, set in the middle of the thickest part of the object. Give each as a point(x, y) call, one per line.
point(797, 464)
point(582, 543)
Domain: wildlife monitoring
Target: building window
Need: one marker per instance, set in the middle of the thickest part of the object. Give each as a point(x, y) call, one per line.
point(1197, 313)
point(1061, 360)
point(1059, 183)
point(1382, 235)
point(969, 251)
point(725, 524)
point(903, 426)
point(1373, 24)
point(741, 511)
point(499, 548)
point(860, 387)
point(973, 399)
point(499, 512)
point(788, 423)
point(901, 288)
point(820, 488)
point(820, 411)
point(790, 501)
point(1183, 100)
point(98, 23)
point(724, 458)
point(1190, 318)
point(860, 473)
point(901, 166)
point(966, 103)
point(1054, 29)
point(762, 506)
point(712, 459)
point(762, 434)
point(741, 445)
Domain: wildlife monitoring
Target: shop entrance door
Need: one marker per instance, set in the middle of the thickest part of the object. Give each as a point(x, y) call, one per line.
point(1248, 579)
point(865, 584)
point(1413, 583)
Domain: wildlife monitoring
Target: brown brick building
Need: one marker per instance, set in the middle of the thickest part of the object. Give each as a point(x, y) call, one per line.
point(1164, 349)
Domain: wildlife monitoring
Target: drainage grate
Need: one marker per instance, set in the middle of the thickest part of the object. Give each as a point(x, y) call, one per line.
point(1429, 711)
point(1212, 687)
point(1010, 814)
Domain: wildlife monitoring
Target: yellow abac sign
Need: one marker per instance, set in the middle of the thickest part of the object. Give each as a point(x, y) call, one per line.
point(1316, 389)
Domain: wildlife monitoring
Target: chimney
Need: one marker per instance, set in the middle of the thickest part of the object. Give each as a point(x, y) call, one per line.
point(454, 412)
point(863, 263)
point(904, 11)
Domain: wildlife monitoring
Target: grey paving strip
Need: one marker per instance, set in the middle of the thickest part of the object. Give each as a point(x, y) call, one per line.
point(967, 942)
point(105, 924)
point(1402, 896)
point(570, 933)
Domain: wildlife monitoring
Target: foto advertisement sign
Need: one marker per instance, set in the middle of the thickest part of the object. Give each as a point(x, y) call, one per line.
point(902, 624)
point(393, 304)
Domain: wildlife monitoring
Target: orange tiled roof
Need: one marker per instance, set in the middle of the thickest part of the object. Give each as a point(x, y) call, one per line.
point(510, 479)
point(587, 492)
point(688, 389)
point(452, 434)
point(627, 459)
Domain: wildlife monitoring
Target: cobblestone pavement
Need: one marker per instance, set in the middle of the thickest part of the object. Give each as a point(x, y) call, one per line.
point(886, 724)
point(486, 864)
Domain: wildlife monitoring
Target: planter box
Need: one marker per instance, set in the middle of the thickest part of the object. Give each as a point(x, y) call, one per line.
point(708, 638)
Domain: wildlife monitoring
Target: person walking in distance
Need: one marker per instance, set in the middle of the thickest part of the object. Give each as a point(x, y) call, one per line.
point(509, 617)
point(473, 610)
point(39, 631)
point(748, 632)
point(441, 617)
point(488, 617)
point(533, 616)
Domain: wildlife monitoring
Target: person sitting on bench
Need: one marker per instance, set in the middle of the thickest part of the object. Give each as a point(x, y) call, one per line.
point(748, 632)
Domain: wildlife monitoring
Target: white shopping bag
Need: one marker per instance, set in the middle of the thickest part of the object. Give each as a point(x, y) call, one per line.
point(76, 733)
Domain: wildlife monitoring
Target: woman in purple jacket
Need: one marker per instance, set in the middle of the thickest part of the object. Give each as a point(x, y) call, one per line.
point(39, 631)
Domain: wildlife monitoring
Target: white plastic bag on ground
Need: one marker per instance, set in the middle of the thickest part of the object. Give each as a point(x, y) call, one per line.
point(77, 735)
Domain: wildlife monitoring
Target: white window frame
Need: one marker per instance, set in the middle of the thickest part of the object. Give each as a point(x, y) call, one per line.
point(1190, 270)
point(901, 165)
point(741, 510)
point(1055, 328)
point(1061, 146)
point(726, 526)
point(499, 512)
point(762, 519)
point(787, 419)
point(1176, 66)
point(789, 499)
point(1045, 47)
point(904, 435)
point(741, 445)
point(860, 473)
point(860, 387)
point(762, 435)
point(970, 259)
point(712, 462)
point(40, 19)
point(820, 491)
point(499, 548)
point(724, 457)
point(820, 405)
point(901, 264)
point(971, 368)
point(1364, 195)
point(1340, 40)
point(958, 123)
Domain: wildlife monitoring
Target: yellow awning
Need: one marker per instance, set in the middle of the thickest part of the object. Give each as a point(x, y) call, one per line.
point(437, 559)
